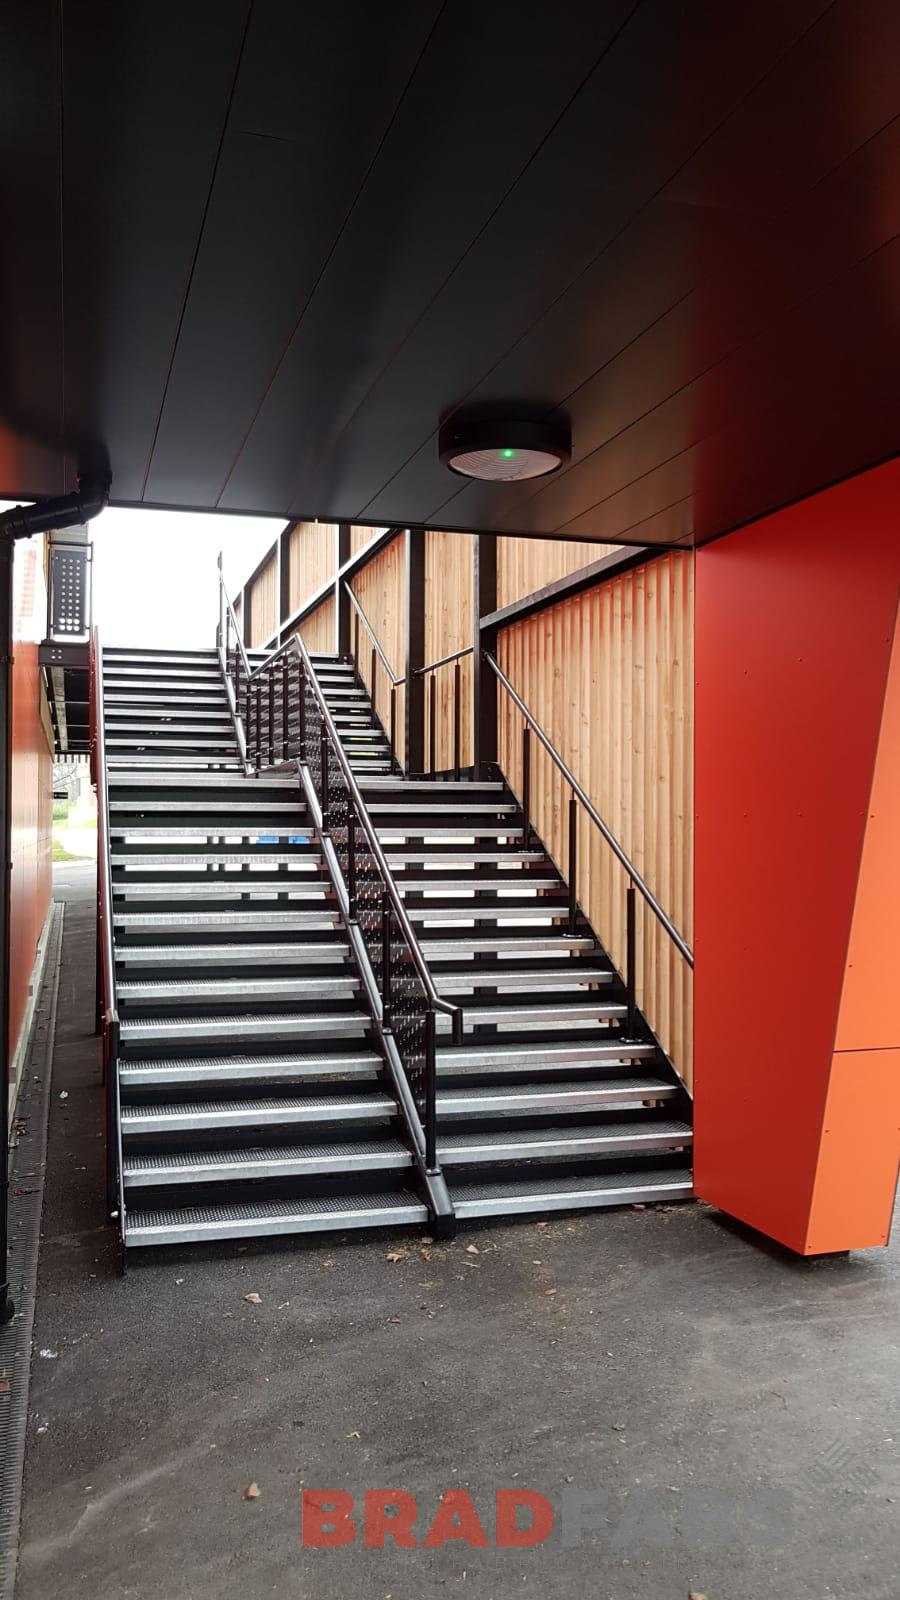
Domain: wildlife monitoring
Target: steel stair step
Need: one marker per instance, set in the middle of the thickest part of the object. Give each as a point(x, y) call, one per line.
point(554, 1098)
point(501, 1058)
point(520, 1015)
point(253, 1025)
point(543, 908)
point(265, 1219)
point(263, 919)
point(516, 880)
point(507, 946)
point(121, 652)
point(230, 887)
point(281, 1161)
point(118, 706)
point(174, 765)
point(202, 780)
point(139, 990)
point(572, 974)
point(564, 1142)
point(461, 791)
point(140, 744)
point(392, 834)
point(232, 955)
point(248, 1069)
point(406, 808)
point(534, 1194)
point(197, 837)
point(301, 856)
point(211, 807)
point(210, 684)
point(148, 730)
point(266, 1112)
point(449, 856)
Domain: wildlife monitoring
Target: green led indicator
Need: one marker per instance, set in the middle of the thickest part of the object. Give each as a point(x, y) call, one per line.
point(507, 454)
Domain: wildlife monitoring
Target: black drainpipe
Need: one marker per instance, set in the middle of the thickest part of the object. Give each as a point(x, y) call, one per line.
point(20, 523)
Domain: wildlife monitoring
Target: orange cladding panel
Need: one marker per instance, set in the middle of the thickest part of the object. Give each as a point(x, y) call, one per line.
point(794, 624)
point(856, 1180)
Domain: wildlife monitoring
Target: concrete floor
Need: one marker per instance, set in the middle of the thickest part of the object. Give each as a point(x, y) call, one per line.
point(705, 1414)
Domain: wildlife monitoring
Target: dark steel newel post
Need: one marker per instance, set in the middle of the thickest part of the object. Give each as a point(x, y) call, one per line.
point(386, 974)
point(484, 684)
point(430, 1091)
point(414, 743)
point(526, 785)
point(351, 860)
point(573, 862)
point(630, 957)
point(323, 757)
point(432, 724)
point(457, 719)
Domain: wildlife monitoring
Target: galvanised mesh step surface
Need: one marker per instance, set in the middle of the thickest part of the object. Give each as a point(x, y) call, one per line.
point(282, 1161)
point(234, 988)
point(556, 1096)
point(460, 1149)
point(244, 954)
point(536, 1193)
point(261, 1068)
point(260, 1218)
point(255, 1025)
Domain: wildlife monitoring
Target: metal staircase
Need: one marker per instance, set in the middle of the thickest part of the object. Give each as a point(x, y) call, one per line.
point(260, 1086)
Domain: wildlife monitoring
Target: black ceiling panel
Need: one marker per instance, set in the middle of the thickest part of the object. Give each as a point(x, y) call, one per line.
point(260, 247)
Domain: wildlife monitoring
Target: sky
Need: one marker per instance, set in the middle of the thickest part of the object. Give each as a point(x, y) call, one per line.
point(155, 572)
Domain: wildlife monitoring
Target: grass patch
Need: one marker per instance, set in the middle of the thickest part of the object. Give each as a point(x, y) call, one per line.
point(59, 854)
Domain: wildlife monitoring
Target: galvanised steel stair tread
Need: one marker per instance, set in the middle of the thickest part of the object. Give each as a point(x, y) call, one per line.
point(244, 954)
point(555, 1097)
point(174, 765)
point(526, 1144)
point(265, 1218)
point(575, 1009)
point(404, 808)
point(540, 908)
point(148, 730)
point(195, 780)
point(280, 1161)
point(264, 918)
point(254, 1024)
point(139, 833)
point(256, 1112)
point(409, 787)
point(137, 652)
point(118, 706)
point(233, 988)
point(465, 856)
point(141, 744)
point(244, 1068)
point(300, 856)
point(528, 943)
point(536, 1193)
point(513, 1057)
point(211, 807)
point(572, 973)
point(389, 834)
point(171, 682)
point(469, 883)
point(230, 886)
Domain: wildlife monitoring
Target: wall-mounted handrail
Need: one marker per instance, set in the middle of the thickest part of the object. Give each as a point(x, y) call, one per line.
point(444, 661)
point(228, 624)
point(578, 792)
point(376, 645)
point(107, 1011)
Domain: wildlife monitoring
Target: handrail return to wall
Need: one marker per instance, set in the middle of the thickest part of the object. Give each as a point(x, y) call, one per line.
point(107, 1019)
point(395, 681)
point(287, 721)
point(577, 796)
point(432, 667)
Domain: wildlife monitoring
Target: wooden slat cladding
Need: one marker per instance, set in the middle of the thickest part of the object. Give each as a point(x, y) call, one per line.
point(448, 627)
point(360, 537)
point(608, 675)
point(318, 630)
point(264, 604)
point(380, 587)
point(312, 559)
point(526, 565)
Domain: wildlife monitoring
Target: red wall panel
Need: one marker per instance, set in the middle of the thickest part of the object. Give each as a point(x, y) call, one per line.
point(795, 617)
point(30, 882)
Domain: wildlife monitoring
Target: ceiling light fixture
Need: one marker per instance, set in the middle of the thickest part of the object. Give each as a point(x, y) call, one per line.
point(503, 452)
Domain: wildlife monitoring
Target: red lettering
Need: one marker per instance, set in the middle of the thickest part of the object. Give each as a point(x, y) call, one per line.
point(325, 1520)
point(456, 1518)
point(509, 1535)
point(397, 1526)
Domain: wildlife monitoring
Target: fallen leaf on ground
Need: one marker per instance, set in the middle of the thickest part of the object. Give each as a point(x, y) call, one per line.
point(426, 1254)
point(696, 1595)
point(549, 1291)
point(394, 1255)
point(252, 1491)
point(253, 1299)
point(472, 1250)
point(639, 1207)
point(327, 1264)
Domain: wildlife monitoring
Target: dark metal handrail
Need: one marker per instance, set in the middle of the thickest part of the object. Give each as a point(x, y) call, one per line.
point(376, 645)
point(444, 661)
point(636, 881)
point(107, 1012)
point(297, 645)
point(227, 623)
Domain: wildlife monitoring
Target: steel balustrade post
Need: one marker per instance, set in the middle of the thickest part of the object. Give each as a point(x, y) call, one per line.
point(374, 669)
point(631, 957)
point(301, 708)
point(323, 757)
point(526, 784)
point(285, 699)
point(573, 862)
point(271, 719)
point(356, 641)
point(257, 723)
point(394, 720)
point(386, 973)
point(457, 715)
point(351, 860)
point(432, 723)
point(430, 1090)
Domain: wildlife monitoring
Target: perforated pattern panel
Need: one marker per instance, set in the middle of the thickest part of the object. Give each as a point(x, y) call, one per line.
point(69, 591)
